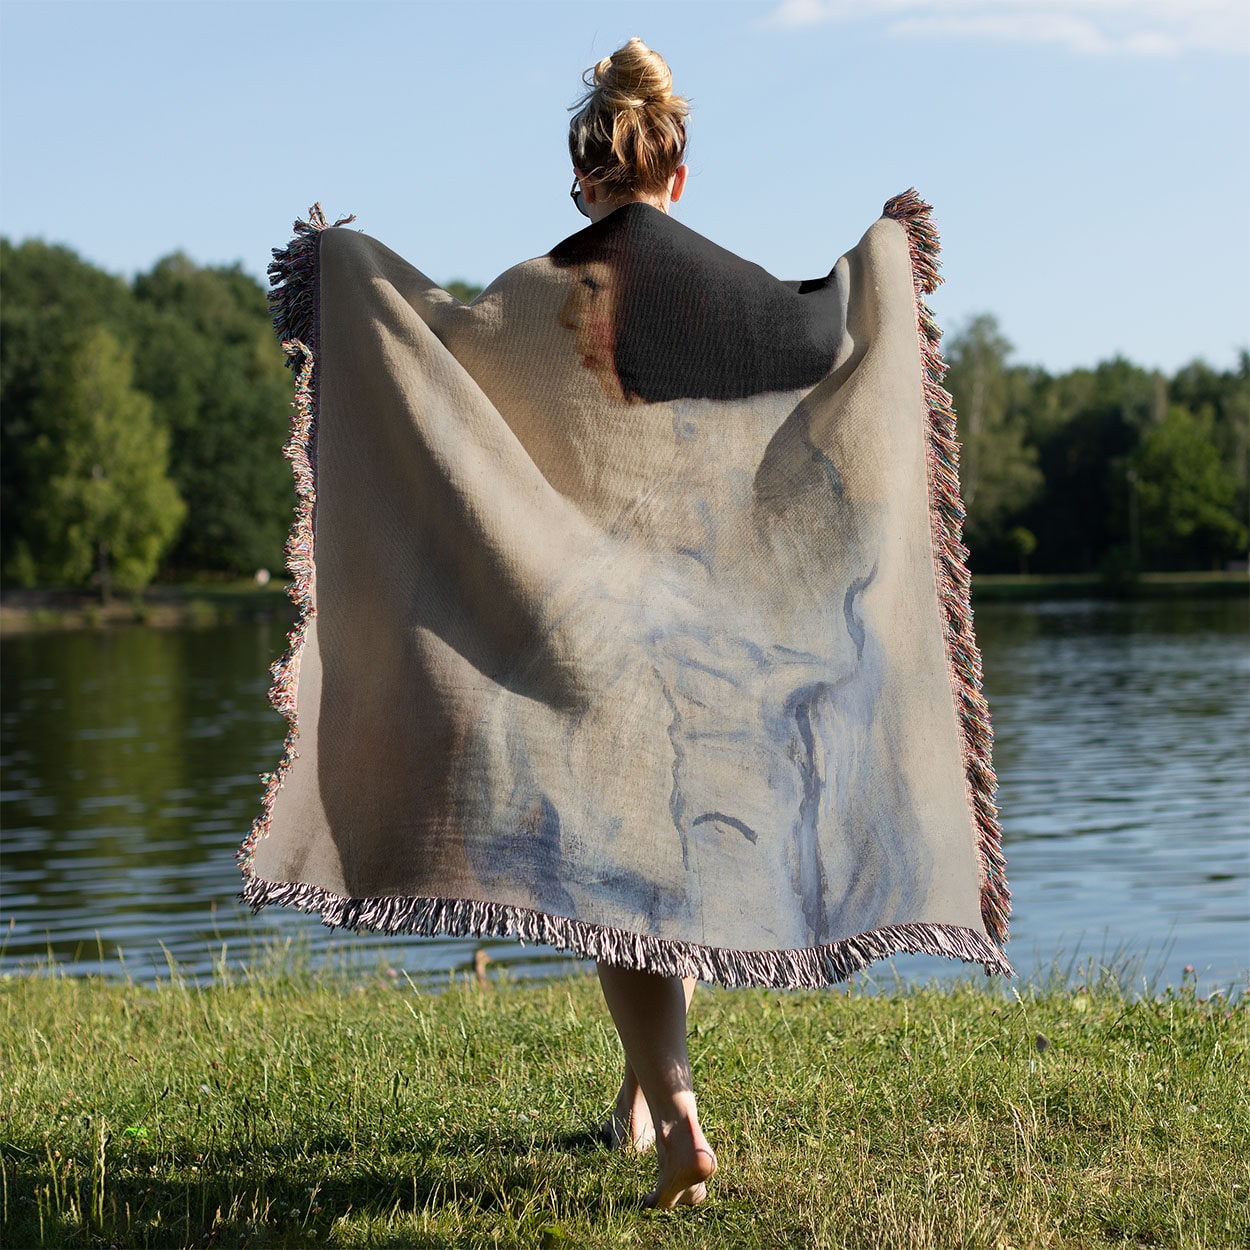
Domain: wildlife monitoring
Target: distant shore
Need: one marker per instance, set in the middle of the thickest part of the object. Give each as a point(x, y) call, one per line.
point(163, 606)
point(1003, 587)
point(192, 604)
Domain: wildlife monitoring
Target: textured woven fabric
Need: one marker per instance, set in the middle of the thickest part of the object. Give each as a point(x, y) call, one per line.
point(634, 617)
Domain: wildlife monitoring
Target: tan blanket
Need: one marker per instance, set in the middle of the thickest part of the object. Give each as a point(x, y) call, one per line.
point(634, 616)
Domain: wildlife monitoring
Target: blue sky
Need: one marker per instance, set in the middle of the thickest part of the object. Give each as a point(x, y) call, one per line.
point(1087, 159)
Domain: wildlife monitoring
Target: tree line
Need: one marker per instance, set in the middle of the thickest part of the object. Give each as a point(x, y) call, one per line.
point(142, 423)
point(1113, 470)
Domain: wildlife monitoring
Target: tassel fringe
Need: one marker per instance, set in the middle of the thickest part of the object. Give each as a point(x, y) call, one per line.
point(294, 293)
point(802, 968)
point(294, 301)
point(946, 513)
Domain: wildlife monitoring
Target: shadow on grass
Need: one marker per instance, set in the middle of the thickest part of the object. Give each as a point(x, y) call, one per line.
point(294, 1193)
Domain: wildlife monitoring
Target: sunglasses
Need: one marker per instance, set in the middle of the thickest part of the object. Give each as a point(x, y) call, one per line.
point(576, 196)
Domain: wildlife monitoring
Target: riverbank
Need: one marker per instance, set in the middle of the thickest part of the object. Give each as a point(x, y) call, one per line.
point(223, 603)
point(1004, 587)
point(280, 1109)
point(194, 604)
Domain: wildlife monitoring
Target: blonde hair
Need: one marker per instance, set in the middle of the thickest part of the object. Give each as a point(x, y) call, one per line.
point(629, 131)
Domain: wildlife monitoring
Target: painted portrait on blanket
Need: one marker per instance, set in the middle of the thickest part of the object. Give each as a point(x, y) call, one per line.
point(659, 313)
point(591, 313)
point(722, 648)
point(738, 694)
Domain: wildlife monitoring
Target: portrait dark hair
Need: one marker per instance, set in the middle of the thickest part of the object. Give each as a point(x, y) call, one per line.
point(694, 321)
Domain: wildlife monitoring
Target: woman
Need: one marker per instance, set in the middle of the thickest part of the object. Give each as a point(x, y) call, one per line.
point(628, 143)
point(634, 614)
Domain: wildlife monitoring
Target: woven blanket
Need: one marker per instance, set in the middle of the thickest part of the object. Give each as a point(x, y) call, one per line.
point(634, 617)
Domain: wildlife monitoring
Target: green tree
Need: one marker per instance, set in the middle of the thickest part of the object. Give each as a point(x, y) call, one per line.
point(1087, 423)
point(103, 506)
point(1024, 543)
point(1223, 400)
point(207, 356)
point(51, 296)
point(1187, 494)
point(465, 292)
point(998, 467)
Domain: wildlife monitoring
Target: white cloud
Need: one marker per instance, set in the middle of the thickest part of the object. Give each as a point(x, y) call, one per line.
point(1136, 28)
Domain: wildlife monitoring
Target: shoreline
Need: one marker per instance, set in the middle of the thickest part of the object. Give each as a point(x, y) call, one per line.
point(173, 606)
point(1037, 587)
point(204, 604)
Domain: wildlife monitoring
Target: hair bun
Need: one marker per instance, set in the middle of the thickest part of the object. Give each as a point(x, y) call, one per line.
point(629, 130)
point(633, 76)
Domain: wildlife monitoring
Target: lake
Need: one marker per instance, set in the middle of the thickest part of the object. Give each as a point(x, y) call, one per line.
point(131, 759)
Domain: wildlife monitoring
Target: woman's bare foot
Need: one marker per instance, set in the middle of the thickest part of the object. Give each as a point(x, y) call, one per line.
point(629, 1126)
point(686, 1165)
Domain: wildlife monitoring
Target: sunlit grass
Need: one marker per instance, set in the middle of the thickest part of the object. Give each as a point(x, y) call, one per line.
point(277, 1107)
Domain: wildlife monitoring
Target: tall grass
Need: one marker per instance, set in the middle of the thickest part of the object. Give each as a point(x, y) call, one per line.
point(283, 1108)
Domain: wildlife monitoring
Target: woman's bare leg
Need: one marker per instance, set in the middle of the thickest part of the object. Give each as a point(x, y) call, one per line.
point(629, 1126)
point(649, 1012)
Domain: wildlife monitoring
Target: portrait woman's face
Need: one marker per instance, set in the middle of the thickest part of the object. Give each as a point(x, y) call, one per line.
point(590, 312)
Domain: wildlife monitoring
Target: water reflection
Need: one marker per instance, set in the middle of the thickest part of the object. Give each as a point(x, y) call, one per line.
point(1123, 745)
point(131, 759)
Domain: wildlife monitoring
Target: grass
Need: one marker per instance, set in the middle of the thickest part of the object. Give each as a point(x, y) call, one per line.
point(282, 1108)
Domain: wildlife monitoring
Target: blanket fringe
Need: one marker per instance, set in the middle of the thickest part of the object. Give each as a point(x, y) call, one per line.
point(802, 968)
point(946, 511)
point(293, 293)
point(293, 303)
